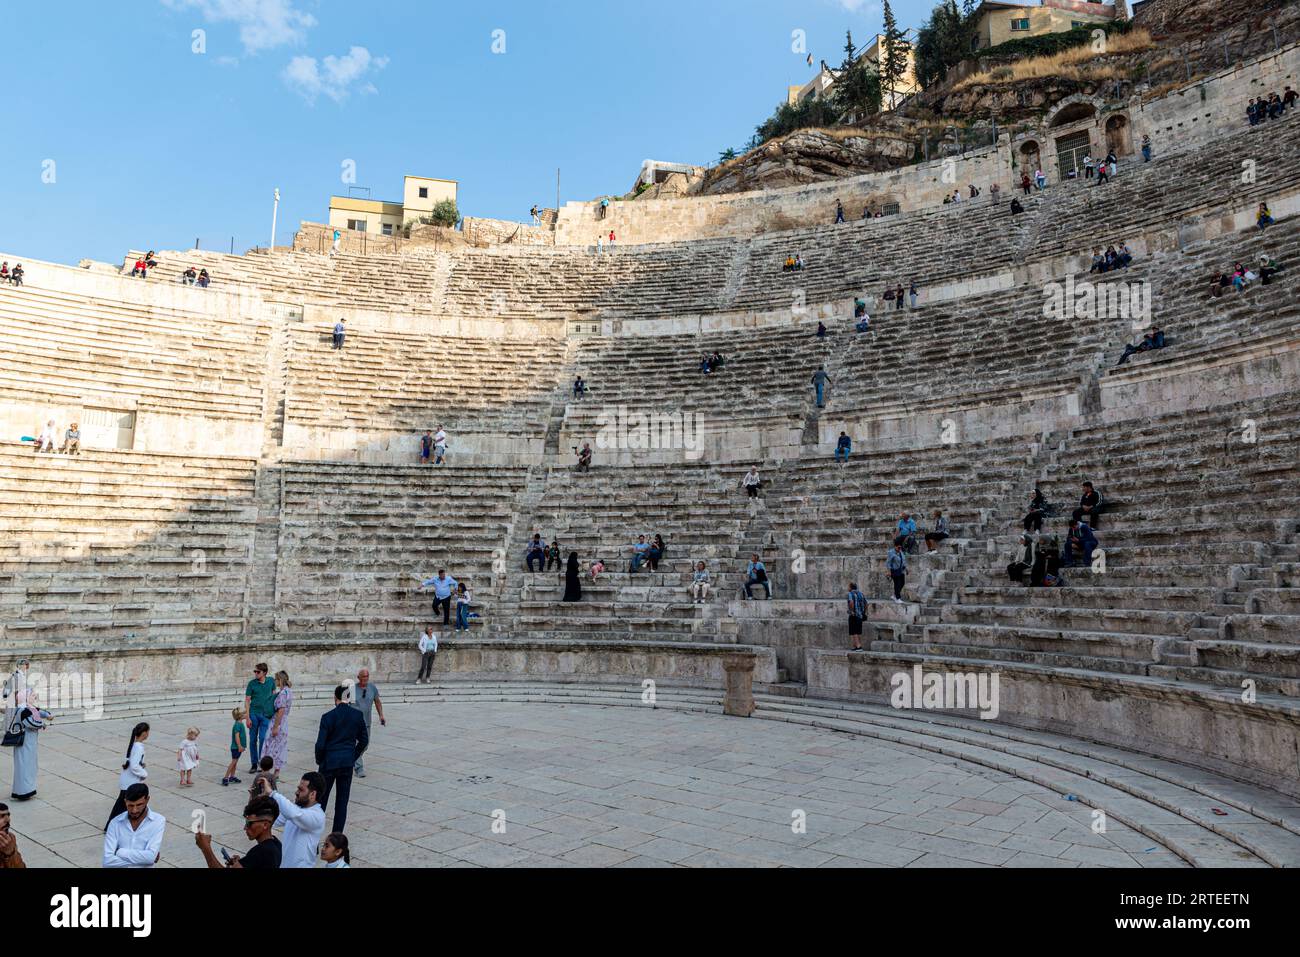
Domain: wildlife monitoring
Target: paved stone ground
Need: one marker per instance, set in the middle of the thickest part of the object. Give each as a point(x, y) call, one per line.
point(596, 787)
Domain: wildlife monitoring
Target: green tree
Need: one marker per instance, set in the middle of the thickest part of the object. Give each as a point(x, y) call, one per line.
point(727, 154)
point(942, 42)
point(816, 111)
point(444, 213)
point(857, 85)
point(893, 62)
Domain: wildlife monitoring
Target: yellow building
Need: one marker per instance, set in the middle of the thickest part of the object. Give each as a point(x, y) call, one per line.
point(419, 195)
point(999, 22)
point(873, 52)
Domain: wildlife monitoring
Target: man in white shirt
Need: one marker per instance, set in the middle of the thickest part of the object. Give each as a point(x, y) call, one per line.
point(134, 837)
point(303, 820)
point(428, 651)
point(439, 446)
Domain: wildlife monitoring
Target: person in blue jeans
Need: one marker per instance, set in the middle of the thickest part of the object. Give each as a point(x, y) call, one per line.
point(1082, 538)
point(536, 553)
point(444, 586)
point(259, 703)
point(897, 567)
point(820, 380)
point(463, 599)
point(844, 448)
point(756, 574)
point(640, 552)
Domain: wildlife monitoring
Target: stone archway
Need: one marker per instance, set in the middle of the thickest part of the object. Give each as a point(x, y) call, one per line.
point(1119, 139)
point(1029, 156)
point(1072, 109)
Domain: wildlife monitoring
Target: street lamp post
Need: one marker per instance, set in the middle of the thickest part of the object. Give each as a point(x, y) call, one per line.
point(275, 212)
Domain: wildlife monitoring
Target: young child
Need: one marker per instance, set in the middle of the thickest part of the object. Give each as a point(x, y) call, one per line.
point(334, 852)
point(187, 757)
point(265, 769)
point(238, 745)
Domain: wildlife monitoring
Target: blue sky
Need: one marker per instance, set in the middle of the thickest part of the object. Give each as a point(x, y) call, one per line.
point(155, 145)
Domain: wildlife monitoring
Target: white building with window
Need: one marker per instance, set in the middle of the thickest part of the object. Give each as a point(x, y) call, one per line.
point(420, 194)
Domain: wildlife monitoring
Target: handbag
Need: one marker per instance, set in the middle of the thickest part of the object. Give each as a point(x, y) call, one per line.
point(15, 733)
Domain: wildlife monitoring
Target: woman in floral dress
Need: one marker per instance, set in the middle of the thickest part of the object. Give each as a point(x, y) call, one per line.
point(277, 742)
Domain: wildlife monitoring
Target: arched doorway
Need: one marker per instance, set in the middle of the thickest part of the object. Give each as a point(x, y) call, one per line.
point(1030, 157)
point(1070, 152)
point(1118, 138)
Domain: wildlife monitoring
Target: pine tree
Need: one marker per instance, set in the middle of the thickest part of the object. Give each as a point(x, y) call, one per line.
point(894, 61)
point(857, 87)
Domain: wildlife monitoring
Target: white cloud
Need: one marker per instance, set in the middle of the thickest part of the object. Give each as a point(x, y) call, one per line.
point(333, 76)
point(263, 24)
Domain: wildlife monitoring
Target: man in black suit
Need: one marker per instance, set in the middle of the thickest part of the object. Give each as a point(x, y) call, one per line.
point(342, 740)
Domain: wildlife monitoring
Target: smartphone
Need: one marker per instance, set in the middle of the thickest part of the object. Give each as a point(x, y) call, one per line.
point(225, 854)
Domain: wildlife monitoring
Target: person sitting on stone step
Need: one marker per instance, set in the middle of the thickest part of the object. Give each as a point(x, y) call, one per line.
point(1146, 345)
point(938, 534)
point(72, 440)
point(189, 276)
point(1080, 539)
point(656, 552)
point(821, 330)
point(700, 584)
point(1289, 97)
point(204, 279)
point(1264, 218)
point(1016, 208)
point(553, 556)
point(1267, 268)
point(584, 457)
point(751, 483)
point(705, 365)
point(579, 388)
point(1090, 505)
point(1038, 509)
point(597, 569)
point(1098, 260)
point(906, 529)
point(788, 265)
point(843, 448)
point(756, 574)
point(1023, 562)
point(536, 552)
point(639, 552)
point(1124, 255)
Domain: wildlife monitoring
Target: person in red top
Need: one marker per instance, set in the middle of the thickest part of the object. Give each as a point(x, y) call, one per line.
point(1024, 182)
point(140, 269)
point(611, 237)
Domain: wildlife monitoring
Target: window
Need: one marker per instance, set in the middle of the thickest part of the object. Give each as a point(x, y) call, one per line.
point(424, 192)
point(388, 229)
point(1077, 24)
point(1021, 24)
point(889, 209)
point(358, 224)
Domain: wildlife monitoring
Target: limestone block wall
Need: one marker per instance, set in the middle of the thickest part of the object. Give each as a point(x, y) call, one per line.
point(1209, 729)
point(496, 232)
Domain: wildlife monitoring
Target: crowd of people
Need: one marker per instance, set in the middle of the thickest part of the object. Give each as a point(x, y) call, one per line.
point(1261, 109)
point(1041, 556)
point(134, 833)
point(1113, 258)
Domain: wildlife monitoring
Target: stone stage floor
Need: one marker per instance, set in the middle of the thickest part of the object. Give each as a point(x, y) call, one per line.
point(589, 786)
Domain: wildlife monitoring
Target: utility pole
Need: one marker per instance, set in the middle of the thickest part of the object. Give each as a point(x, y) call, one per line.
point(275, 212)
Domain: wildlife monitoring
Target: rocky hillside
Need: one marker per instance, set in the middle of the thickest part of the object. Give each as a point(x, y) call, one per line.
point(809, 156)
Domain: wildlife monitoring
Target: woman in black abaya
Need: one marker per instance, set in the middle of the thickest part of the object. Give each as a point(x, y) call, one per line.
point(572, 584)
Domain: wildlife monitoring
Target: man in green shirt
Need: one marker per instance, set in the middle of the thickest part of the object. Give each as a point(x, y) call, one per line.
point(259, 702)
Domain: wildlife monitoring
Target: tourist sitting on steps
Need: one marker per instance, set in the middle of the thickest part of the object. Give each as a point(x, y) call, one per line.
point(584, 457)
point(656, 552)
point(937, 535)
point(1016, 208)
point(579, 388)
point(597, 569)
point(821, 330)
point(72, 440)
point(756, 574)
point(1090, 506)
point(1046, 571)
point(751, 483)
point(1023, 562)
point(1264, 218)
point(1154, 339)
point(639, 552)
point(843, 448)
point(1267, 268)
point(204, 279)
point(536, 552)
point(1080, 539)
point(906, 537)
point(1038, 509)
point(700, 584)
point(189, 276)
